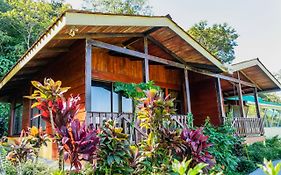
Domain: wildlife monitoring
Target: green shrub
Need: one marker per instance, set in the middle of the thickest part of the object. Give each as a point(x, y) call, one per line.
point(255, 154)
point(225, 146)
point(39, 168)
point(245, 166)
point(113, 154)
point(270, 150)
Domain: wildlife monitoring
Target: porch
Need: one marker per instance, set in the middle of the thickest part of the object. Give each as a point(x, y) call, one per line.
point(202, 93)
point(127, 122)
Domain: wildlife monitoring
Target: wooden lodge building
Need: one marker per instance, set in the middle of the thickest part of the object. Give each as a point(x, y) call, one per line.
point(89, 51)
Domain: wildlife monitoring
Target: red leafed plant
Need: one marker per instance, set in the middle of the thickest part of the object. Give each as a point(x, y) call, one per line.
point(79, 143)
point(63, 110)
point(52, 104)
point(198, 145)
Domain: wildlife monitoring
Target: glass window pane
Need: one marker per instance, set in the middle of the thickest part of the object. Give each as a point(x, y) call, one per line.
point(34, 121)
point(37, 121)
point(18, 119)
point(101, 97)
point(127, 105)
point(115, 102)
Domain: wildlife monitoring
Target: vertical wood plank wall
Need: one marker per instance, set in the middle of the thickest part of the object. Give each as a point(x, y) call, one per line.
point(204, 100)
point(129, 70)
point(69, 68)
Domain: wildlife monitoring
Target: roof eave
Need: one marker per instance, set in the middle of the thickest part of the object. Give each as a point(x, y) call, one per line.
point(256, 62)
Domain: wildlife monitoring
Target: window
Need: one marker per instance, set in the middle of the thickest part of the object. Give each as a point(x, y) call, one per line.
point(104, 99)
point(37, 121)
point(17, 123)
point(101, 97)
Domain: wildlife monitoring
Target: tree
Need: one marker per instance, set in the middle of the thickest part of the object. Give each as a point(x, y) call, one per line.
point(22, 22)
point(219, 39)
point(139, 7)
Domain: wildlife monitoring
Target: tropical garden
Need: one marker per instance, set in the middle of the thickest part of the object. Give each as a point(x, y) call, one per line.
point(168, 148)
point(85, 150)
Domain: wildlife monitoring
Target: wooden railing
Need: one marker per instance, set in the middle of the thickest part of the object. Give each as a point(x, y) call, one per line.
point(247, 127)
point(125, 121)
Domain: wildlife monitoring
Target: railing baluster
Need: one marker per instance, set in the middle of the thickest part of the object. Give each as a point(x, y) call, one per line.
point(248, 126)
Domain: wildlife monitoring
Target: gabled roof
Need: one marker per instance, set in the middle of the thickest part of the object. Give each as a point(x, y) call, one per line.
point(74, 25)
point(258, 74)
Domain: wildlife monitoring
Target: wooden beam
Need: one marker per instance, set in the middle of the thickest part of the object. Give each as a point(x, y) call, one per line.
point(98, 35)
point(145, 61)
point(134, 53)
point(88, 75)
point(187, 91)
point(164, 61)
point(37, 62)
point(220, 100)
point(257, 102)
point(55, 50)
point(11, 118)
point(135, 39)
point(240, 95)
point(165, 49)
point(252, 81)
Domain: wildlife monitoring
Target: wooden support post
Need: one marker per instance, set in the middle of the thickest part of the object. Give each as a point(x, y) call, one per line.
point(257, 102)
point(187, 91)
point(11, 118)
point(240, 95)
point(145, 61)
point(220, 100)
point(88, 75)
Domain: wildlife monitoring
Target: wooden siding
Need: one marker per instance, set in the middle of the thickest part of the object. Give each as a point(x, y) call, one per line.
point(115, 68)
point(108, 67)
point(68, 68)
point(204, 100)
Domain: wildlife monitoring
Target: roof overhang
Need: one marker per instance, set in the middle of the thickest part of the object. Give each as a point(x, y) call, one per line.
point(77, 18)
point(84, 20)
point(258, 74)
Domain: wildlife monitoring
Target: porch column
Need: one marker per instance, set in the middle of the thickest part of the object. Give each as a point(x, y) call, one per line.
point(240, 95)
point(220, 99)
point(145, 61)
point(257, 102)
point(11, 118)
point(187, 90)
point(88, 75)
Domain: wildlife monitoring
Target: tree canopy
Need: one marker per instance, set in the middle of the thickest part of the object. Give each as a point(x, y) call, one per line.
point(219, 39)
point(22, 22)
point(137, 7)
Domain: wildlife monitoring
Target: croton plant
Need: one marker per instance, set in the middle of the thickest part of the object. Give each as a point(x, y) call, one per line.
point(108, 149)
point(78, 142)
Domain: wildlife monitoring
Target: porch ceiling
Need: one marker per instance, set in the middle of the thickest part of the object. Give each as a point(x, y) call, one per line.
point(252, 71)
point(258, 74)
point(166, 40)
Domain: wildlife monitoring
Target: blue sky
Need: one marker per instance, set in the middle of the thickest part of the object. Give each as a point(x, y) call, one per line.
point(258, 22)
